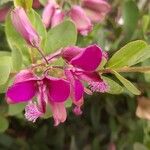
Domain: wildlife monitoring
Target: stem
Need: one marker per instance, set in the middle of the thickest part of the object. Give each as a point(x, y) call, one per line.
point(41, 53)
point(127, 69)
point(54, 55)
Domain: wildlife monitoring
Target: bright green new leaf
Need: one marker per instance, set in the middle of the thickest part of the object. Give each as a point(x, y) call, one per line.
point(127, 84)
point(65, 34)
point(114, 87)
point(3, 124)
point(26, 4)
point(16, 109)
point(128, 55)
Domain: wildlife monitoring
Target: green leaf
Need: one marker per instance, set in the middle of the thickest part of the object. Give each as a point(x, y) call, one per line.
point(26, 4)
point(43, 2)
point(4, 53)
point(2, 2)
point(65, 34)
point(143, 55)
point(128, 55)
point(5, 69)
point(15, 109)
point(130, 17)
point(3, 124)
point(145, 22)
point(127, 84)
point(114, 87)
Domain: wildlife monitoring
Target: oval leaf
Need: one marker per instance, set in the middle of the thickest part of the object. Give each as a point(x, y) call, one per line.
point(127, 84)
point(127, 55)
point(5, 69)
point(64, 34)
point(114, 87)
point(16, 109)
point(3, 124)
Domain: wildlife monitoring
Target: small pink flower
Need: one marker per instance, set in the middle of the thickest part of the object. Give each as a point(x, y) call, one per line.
point(52, 15)
point(81, 20)
point(83, 63)
point(3, 13)
point(48, 13)
point(96, 9)
point(47, 90)
point(57, 18)
point(23, 25)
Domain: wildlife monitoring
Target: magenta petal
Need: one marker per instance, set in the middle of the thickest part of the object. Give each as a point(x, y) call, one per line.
point(70, 52)
point(21, 92)
point(77, 89)
point(24, 75)
point(89, 59)
point(89, 76)
point(58, 89)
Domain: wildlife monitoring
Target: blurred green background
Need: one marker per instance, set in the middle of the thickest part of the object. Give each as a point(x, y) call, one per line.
point(109, 122)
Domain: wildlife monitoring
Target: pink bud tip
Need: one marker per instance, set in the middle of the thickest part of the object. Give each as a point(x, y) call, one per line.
point(77, 111)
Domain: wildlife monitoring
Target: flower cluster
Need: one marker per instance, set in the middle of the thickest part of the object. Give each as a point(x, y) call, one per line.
point(83, 15)
point(77, 76)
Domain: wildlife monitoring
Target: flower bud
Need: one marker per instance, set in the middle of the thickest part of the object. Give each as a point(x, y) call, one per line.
point(96, 9)
point(81, 20)
point(57, 18)
point(48, 13)
point(23, 25)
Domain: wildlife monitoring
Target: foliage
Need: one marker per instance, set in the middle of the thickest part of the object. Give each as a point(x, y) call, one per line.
point(108, 120)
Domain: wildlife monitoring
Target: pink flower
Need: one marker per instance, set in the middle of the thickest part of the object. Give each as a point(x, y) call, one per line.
point(83, 63)
point(23, 25)
point(57, 18)
point(81, 20)
point(96, 9)
point(47, 90)
point(52, 15)
point(3, 13)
